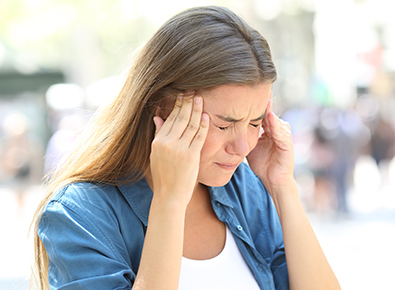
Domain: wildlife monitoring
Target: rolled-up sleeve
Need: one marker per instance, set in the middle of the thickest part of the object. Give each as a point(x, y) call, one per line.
point(280, 270)
point(279, 263)
point(81, 256)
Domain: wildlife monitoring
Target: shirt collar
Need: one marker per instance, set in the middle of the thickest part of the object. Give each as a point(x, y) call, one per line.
point(219, 194)
point(139, 196)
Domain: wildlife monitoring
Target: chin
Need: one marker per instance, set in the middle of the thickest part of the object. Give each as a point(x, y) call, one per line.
point(215, 181)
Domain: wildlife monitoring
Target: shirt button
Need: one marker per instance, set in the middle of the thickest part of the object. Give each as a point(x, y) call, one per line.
point(239, 227)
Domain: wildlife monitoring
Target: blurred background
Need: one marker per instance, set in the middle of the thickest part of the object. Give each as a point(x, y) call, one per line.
point(61, 59)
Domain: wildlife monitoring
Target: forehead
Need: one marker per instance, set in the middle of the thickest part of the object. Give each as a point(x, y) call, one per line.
point(237, 101)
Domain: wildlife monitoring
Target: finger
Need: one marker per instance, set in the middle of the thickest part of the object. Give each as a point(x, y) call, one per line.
point(200, 137)
point(265, 128)
point(280, 130)
point(195, 119)
point(269, 110)
point(168, 124)
point(261, 130)
point(266, 124)
point(270, 106)
point(276, 120)
point(182, 120)
point(274, 124)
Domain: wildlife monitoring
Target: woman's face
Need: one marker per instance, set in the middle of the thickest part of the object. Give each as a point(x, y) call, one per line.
point(236, 113)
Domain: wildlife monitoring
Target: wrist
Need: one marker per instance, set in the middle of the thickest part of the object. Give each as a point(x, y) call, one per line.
point(285, 187)
point(285, 196)
point(168, 206)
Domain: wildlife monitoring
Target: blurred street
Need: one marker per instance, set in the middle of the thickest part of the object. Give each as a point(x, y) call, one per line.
point(358, 245)
point(16, 247)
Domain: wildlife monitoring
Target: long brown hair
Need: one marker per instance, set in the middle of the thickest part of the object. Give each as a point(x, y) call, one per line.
point(197, 49)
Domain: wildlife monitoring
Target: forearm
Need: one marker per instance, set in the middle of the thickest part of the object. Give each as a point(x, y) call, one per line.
point(162, 252)
point(308, 267)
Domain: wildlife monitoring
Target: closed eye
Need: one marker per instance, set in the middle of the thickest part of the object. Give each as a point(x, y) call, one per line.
point(227, 127)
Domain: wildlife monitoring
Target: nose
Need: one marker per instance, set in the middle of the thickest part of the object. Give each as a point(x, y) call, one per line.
point(239, 144)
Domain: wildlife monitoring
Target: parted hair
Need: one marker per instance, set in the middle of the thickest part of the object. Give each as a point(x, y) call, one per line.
point(197, 49)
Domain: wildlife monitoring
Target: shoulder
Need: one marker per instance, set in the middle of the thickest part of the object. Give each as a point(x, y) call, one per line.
point(94, 214)
point(83, 191)
point(84, 229)
point(97, 206)
point(88, 206)
point(84, 198)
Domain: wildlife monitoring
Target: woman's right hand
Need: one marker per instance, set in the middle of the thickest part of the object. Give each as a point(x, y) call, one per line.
point(176, 148)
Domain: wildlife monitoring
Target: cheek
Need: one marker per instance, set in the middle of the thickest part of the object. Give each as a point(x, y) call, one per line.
point(213, 142)
point(253, 139)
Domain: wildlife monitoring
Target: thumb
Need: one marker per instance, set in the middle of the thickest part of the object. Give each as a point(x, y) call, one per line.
point(158, 121)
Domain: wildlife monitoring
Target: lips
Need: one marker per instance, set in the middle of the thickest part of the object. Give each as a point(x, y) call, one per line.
point(228, 166)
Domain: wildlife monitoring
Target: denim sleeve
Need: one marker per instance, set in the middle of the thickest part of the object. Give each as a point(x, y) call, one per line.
point(81, 256)
point(280, 270)
point(279, 263)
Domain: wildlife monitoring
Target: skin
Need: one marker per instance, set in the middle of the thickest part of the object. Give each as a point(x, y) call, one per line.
point(236, 113)
point(203, 145)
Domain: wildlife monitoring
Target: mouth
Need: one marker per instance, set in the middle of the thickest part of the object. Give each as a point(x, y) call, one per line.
point(228, 166)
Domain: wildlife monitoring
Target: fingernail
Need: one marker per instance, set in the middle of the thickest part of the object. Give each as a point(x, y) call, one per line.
point(198, 99)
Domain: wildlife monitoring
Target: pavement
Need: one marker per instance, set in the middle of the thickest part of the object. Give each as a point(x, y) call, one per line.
point(359, 245)
point(16, 247)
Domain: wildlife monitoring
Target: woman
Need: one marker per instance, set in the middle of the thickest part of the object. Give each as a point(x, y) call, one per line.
point(156, 195)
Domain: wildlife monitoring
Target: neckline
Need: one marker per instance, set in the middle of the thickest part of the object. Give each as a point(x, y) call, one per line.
point(217, 257)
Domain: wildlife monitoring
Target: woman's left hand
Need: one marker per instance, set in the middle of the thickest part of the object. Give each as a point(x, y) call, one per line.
point(273, 157)
point(273, 161)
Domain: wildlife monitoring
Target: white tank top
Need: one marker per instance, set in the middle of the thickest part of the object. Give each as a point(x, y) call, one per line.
point(227, 271)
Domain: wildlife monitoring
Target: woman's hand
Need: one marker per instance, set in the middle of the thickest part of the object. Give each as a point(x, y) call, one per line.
point(176, 149)
point(273, 157)
point(273, 161)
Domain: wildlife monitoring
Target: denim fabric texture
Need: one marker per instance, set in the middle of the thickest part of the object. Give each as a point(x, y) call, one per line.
point(94, 233)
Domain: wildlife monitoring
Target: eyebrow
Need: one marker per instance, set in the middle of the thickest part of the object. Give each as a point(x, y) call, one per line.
point(233, 120)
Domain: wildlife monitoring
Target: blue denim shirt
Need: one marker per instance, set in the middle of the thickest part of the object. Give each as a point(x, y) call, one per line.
point(94, 233)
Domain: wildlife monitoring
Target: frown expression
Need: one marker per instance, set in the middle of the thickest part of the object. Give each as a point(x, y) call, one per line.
point(236, 113)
